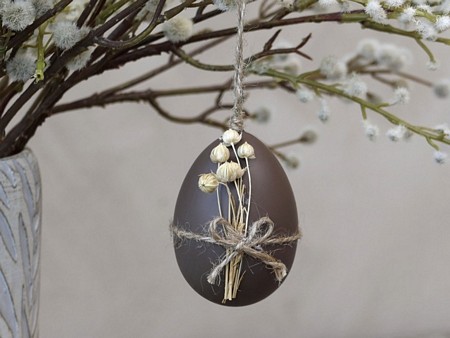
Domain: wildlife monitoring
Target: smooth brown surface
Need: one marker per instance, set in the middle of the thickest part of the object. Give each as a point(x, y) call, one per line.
point(271, 196)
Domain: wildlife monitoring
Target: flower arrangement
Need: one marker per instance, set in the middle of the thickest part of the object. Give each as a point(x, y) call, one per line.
point(47, 48)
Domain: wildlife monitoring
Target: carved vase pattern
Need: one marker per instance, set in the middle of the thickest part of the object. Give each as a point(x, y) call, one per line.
point(20, 241)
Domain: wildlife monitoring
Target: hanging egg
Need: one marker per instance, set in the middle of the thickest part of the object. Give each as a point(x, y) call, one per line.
point(235, 240)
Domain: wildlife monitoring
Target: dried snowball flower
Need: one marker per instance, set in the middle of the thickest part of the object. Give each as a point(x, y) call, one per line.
point(426, 30)
point(407, 15)
point(21, 67)
point(229, 172)
point(443, 128)
point(18, 15)
point(220, 154)
point(324, 111)
point(305, 94)
point(440, 157)
point(230, 137)
point(245, 150)
point(208, 183)
point(432, 65)
point(354, 86)
point(178, 28)
point(397, 133)
point(442, 23)
point(401, 95)
point(332, 68)
point(66, 34)
point(368, 49)
point(375, 11)
point(394, 3)
point(442, 89)
point(327, 3)
point(370, 130)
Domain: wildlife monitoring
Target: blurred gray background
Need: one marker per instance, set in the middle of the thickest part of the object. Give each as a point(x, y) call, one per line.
point(374, 260)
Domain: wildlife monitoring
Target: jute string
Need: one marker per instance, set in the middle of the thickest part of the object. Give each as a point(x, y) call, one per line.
point(237, 119)
point(222, 233)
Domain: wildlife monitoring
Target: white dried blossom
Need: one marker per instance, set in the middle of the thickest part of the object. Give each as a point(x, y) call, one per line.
point(327, 3)
point(401, 95)
point(440, 157)
point(42, 6)
point(18, 15)
point(407, 16)
point(66, 34)
point(219, 154)
point(208, 183)
point(21, 67)
point(393, 57)
point(332, 68)
point(443, 128)
point(394, 3)
point(432, 65)
point(426, 30)
point(324, 111)
point(305, 94)
point(292, 162)
point(375, 11)
point(442, 88)
point(397, 133)
point(178, 28)
point(368, 49)
point(246, 150)
point(370, 130)
point(229, 172)
point(442, 23)
point(230, 137)
point(354, 86)
point(308, 137)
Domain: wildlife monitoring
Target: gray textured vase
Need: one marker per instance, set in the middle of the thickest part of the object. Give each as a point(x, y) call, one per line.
point(20, 241)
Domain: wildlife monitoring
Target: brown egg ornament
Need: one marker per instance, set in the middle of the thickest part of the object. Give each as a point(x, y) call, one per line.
point(235, 226)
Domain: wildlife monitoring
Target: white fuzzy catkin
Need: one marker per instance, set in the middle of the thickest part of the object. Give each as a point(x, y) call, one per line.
point(442, 23)
point(79, 61)
point(66, 34)
point(354, 86)
point(18, 15)
point(407, 16)
point(42, 6)
point(178, 29)
point(21, 67)
point(368, 49)
point(401, 95)
point(393, 57)
point(440, 157)
point(397, 133)
point(324, 111)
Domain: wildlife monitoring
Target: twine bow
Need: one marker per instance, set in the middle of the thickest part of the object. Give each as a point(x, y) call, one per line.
point(222, 233)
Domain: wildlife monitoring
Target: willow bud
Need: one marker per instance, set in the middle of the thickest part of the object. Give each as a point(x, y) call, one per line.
point(229, 172)
point(230, 137)
point(246, 151)
point(208, 183)
point(220, 154)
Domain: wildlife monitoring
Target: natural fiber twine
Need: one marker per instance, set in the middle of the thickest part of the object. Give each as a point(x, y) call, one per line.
point(259, 234)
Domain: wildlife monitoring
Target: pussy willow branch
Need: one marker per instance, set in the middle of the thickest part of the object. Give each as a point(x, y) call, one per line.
point(121, 46)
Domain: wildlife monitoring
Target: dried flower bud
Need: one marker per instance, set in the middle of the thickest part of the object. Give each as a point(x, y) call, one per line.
point(208, 183)
point(246, 151)
point(220, 154)
point(229, 172)
point(308, 137)
point(230, 137)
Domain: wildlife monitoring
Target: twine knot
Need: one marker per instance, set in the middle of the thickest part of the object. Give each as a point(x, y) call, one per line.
point(223, 233)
